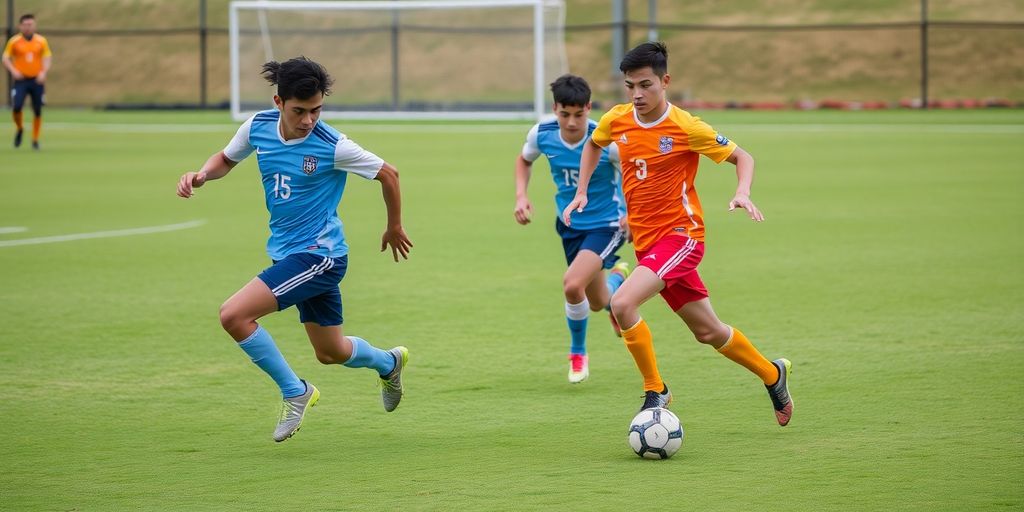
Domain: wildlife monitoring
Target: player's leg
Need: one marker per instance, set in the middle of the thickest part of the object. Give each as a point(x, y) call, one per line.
point(320, 311)
point(607, 243)
point(707, 328)
point(639, 287)
point(36, 92)
point(18, 94)
point(584, 269)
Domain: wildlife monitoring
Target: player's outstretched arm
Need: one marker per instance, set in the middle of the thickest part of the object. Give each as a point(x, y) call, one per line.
point(216, 167)
point(745, 178)
point(588, 162)
point(524, 210)
point(394, 235)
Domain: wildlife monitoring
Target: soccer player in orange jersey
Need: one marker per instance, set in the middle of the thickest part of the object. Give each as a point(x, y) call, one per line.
point(27, 57)
point(660, 145)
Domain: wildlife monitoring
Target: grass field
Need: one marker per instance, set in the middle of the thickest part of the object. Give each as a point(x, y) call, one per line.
point(888, 271)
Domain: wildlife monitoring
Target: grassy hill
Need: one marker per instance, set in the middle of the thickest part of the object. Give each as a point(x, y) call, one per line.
point(159, 61)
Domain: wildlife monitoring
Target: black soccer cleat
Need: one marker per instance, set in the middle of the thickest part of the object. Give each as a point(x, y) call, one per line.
point(17, 138)
point(653, 399)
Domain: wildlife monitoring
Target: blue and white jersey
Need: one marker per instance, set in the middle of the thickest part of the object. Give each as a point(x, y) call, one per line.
point(303, 180)
point(605, 204)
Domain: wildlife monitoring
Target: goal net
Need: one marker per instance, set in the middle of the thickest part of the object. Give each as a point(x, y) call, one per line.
point(405, 59)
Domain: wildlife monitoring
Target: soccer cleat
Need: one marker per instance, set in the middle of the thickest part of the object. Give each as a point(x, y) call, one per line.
point(17, 137)
point(293, 410)
point(35, 145)
point(653, 399)
point(391, 386)
point(579, 368)
point(621, 268)
point(779, 392)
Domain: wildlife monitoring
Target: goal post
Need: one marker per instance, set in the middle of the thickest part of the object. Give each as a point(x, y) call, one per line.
point(405, 59)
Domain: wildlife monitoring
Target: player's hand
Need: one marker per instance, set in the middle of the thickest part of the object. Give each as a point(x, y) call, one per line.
point(17, 75)
point(743, 201)
point(624, 226)
point(399, 242)
point(188, 182)
point(41, 79)
point(524, 211)
point(578, 204)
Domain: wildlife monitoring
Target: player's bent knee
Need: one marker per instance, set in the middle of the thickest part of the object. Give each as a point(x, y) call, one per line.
point(622, 306)
point(231, 318)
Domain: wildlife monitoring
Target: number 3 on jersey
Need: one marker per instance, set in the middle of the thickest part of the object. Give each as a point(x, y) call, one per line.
point(282, 190)
point(641, 168)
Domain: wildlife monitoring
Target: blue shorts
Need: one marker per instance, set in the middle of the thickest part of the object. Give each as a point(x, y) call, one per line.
point(27, 87)
point(310, 283)
point(602, 241)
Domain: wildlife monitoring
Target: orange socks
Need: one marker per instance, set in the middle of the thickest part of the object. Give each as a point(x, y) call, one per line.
point(17, 119)
point(641, 345)
point(37, 123)
point(740, 350)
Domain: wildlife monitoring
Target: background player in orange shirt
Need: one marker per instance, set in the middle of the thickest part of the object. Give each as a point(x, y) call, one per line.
point(660, 145)
point(27, 57)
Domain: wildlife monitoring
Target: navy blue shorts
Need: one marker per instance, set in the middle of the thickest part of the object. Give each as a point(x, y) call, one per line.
point(310, 283)
point(28, 87)
point(602, 241)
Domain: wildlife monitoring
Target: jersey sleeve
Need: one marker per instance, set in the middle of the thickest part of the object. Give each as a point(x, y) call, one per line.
point(46, 47)
point(9, 49)
point(531, 150)
point(708, 142)
point(602, 135)
point(613, 156)
point(350, 157)
point(239, 147)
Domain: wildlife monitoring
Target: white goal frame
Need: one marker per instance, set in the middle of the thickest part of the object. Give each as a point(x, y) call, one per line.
point(539, 86)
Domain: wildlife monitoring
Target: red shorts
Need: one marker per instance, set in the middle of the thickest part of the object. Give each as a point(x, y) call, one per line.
point(675, 259)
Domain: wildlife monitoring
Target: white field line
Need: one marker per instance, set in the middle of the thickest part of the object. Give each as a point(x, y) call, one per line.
point(12, 229)
point(516, 128)
point(103, 234)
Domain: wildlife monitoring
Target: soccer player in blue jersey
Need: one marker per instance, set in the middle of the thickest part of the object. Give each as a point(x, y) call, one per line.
point(304, 164)
point(595, 235)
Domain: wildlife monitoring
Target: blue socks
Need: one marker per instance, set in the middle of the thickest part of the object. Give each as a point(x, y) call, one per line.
point(576, 316)
point(365, 355)
point(613, 283)
point(261, 349)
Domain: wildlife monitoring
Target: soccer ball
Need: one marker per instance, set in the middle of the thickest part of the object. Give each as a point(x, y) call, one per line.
point(655, 433)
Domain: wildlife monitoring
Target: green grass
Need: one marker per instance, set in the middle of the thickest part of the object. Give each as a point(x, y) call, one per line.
point(887, 270)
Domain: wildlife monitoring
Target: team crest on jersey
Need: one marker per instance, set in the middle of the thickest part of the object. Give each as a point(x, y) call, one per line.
point(665, 144)
point(722, 140)
point(309, 164)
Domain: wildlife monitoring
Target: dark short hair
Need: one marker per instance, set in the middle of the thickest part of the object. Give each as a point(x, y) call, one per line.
point(571, 90)
point(298, 78)
point(26, 17)
point(651, 54)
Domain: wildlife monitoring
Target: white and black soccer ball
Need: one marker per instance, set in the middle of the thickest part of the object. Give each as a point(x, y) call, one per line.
point(655, 433)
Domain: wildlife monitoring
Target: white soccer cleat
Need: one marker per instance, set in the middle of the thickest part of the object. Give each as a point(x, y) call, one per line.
point(579, 368)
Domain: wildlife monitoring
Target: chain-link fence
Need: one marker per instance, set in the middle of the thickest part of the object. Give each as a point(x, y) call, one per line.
point(167, 53)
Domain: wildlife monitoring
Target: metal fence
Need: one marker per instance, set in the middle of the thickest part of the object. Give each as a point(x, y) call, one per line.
point(916, 62)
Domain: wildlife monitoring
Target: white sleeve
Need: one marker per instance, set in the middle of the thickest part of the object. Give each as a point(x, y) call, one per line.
point(613, 157)
point(350, 157)
point(239, 147)
point(531, 151)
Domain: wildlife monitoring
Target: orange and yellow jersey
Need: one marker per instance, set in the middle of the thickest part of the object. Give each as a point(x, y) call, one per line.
point(659, 164)
point(27, 54)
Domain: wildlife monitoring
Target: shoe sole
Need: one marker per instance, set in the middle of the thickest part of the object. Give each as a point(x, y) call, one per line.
point(789, 416)
point(312, 403)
